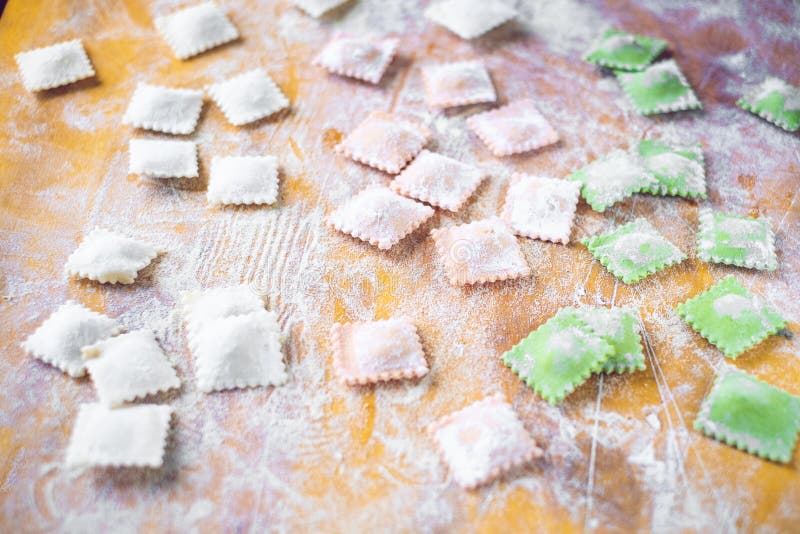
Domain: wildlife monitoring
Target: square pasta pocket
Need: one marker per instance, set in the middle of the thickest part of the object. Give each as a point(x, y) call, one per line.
point(731, 317)
point(196, 29)
point(470, 18)
point(621, 50)
point(458, 84)
point(202, 308)
point(775, 101)
point(633, 251)
point(108, 257)
point(243, 180)
point(751, 415)
point(479, 252)
point(660, 88)
point(155, 158)
point(483, 441)
point(736, 240)
point(129, 366)
point(377, 351)
point(619, 327)
point(514, 128)
point(541, 208)
point(54, 66)
point(559, 356)
point(385, 142)
point(163, 109)
point(678, 170)
point(612, 178)
point(379, 216)
point(239, 351)
point(60, 338)
point(362, 58)
point(248, 97)
point(236, 343)
point(131, 436)
point(438, 180)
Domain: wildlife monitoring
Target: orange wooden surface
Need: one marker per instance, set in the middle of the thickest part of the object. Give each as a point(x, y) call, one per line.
point(317, 455)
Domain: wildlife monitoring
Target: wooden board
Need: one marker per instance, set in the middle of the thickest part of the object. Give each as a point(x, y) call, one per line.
point(315, 455)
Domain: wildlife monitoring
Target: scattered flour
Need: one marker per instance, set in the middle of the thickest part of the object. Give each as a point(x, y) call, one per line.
point(247, 447)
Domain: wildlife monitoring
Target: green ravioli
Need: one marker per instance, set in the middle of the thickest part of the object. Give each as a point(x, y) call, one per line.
point(620, 328)
point(776, 101)
point(660, 88)
point(736, 240)
point(558, 356)
point(633, 251)
point(678, 170)
point(621, 50)
point(752, 416)
point(730, 317)
point(612, 178)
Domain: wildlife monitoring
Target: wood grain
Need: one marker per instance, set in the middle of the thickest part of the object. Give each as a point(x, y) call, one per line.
point(316, 455)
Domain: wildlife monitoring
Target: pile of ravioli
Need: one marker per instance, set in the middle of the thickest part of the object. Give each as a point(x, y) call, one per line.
point(237, 343)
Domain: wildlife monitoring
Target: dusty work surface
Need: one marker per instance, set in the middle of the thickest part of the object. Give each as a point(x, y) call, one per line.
point(313, 454)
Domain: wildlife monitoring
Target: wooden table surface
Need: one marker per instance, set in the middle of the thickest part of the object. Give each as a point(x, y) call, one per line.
point(316, 455)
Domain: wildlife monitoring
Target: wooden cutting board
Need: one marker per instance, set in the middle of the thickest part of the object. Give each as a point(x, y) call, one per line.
point(316, 455)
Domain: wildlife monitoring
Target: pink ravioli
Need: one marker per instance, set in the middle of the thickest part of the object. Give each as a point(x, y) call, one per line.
point(377, 351)
point(385, 141)
point(482, 441)
point(514, 128)
point(379, 216)
point(481, 251)
point(458, 84)
point(362, 58)
point(438, 180)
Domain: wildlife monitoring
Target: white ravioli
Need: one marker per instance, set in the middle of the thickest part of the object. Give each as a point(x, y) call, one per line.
point(132, 436)
point(201, 308)
point(235, 341)
point(163, 159)
point(248, 97)
point(196, 29)
point(317, 8)
point(164, 109)
point(54, 66)
point(243, 180)
point(541, 208)
point(60, 338)
point(470, 18)
point(128, 367)
point(239, 351)
point(108, 257)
